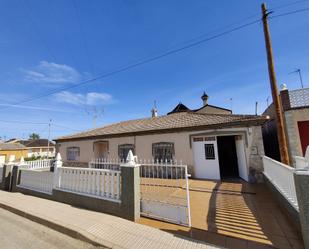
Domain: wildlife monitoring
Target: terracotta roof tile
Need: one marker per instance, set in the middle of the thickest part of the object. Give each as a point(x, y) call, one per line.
point(167, 122)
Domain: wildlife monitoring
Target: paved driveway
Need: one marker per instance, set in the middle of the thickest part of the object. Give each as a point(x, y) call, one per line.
point(235, 215)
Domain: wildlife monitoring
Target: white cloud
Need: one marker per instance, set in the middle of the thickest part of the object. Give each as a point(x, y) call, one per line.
point(50, 72)
point(92, 98)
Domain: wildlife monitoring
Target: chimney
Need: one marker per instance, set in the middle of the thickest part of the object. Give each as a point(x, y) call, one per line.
point(205, 99)
point(285, 97)
point(154, 111)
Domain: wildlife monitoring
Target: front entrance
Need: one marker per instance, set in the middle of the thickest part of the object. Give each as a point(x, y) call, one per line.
point(219, 157)
point(206, 164)
point(228, 162)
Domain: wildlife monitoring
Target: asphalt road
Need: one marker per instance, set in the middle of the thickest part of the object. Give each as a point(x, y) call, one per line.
point(17, 232)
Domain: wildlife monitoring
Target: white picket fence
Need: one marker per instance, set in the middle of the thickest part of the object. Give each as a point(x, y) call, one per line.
point(282, 177)
point(99, 183)
point(38, 164)
point(40, 181)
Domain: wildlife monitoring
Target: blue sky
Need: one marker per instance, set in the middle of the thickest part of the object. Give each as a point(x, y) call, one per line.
point(46, 45)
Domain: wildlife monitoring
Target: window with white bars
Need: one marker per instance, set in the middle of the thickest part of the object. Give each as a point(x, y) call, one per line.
point(163, 151)
point(210, 152)
point(123, 150)
point(73, 153)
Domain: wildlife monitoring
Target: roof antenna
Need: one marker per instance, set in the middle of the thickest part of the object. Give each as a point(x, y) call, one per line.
point(154, 110)
point(300, 76)
point(95, 113)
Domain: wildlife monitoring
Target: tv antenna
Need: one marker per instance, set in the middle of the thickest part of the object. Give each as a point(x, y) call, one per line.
point(267, 101)
point(95, 112)
point(300, 76)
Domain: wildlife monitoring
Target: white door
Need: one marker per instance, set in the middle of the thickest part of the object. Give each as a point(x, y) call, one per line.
point(241, 158)
point(206, 163)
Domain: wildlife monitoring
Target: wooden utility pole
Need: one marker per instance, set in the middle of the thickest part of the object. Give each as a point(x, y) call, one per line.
point(274, 90)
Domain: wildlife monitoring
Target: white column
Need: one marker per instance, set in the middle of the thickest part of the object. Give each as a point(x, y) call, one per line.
point(57, 176)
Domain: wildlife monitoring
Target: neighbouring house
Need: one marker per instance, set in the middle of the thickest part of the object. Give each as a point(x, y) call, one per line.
point(12, 151)
point(37, 147)
point(295, 105)
point(213, 142)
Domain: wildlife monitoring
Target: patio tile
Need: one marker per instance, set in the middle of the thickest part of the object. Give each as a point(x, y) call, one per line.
point(225, 213)
point(233, 243)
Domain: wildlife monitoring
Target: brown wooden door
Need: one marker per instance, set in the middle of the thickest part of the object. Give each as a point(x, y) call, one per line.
point(303, 128)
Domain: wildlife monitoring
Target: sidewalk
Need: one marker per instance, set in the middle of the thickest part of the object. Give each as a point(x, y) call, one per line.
point(96, 228)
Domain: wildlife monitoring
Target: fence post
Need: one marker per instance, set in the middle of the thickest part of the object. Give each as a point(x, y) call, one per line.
point(57, 177)
point(301, 178)
point(15, 171)
point(130, 188)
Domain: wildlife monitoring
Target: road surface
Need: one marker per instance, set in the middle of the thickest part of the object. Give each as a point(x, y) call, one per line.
point(20, 233)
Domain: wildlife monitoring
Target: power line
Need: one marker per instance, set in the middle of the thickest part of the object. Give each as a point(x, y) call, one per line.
point(62, 126)
point(157, 57)
point(36, 123)
point(145, 61)
point(289, 13)
point(22, 122)
point(287, 5)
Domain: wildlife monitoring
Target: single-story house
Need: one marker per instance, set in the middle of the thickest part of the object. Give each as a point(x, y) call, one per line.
point(37, 147)
point(295, 105)
point(12, 151)
point(212, 141)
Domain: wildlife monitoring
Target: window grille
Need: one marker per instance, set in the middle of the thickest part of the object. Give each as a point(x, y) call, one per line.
point(163, 151)
point(123, 150)
point(210, 152)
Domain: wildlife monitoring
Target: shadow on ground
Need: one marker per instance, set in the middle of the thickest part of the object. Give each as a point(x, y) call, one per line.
point(235, 214)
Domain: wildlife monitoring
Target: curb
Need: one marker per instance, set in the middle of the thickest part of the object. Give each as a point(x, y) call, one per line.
point(59, 228)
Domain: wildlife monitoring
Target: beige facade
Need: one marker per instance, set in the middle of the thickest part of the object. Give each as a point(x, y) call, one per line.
point(292, 117)
point(252, 137)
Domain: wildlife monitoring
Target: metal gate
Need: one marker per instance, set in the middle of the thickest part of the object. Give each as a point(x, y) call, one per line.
point(165, 192)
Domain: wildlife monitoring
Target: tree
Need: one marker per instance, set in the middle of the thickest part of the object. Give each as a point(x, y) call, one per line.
point(34, 136)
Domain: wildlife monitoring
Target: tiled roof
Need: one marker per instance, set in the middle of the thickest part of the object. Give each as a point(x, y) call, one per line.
point(176, 121)
point(15, 146)
point(37, 143)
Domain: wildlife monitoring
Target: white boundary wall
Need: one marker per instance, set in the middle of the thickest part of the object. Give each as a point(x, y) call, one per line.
point(99, 183)
point(40, 181)
point(282, 177)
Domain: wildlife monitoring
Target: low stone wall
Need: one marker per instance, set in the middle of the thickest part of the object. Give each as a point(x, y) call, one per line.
point(87, 202)
point(128, 207)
